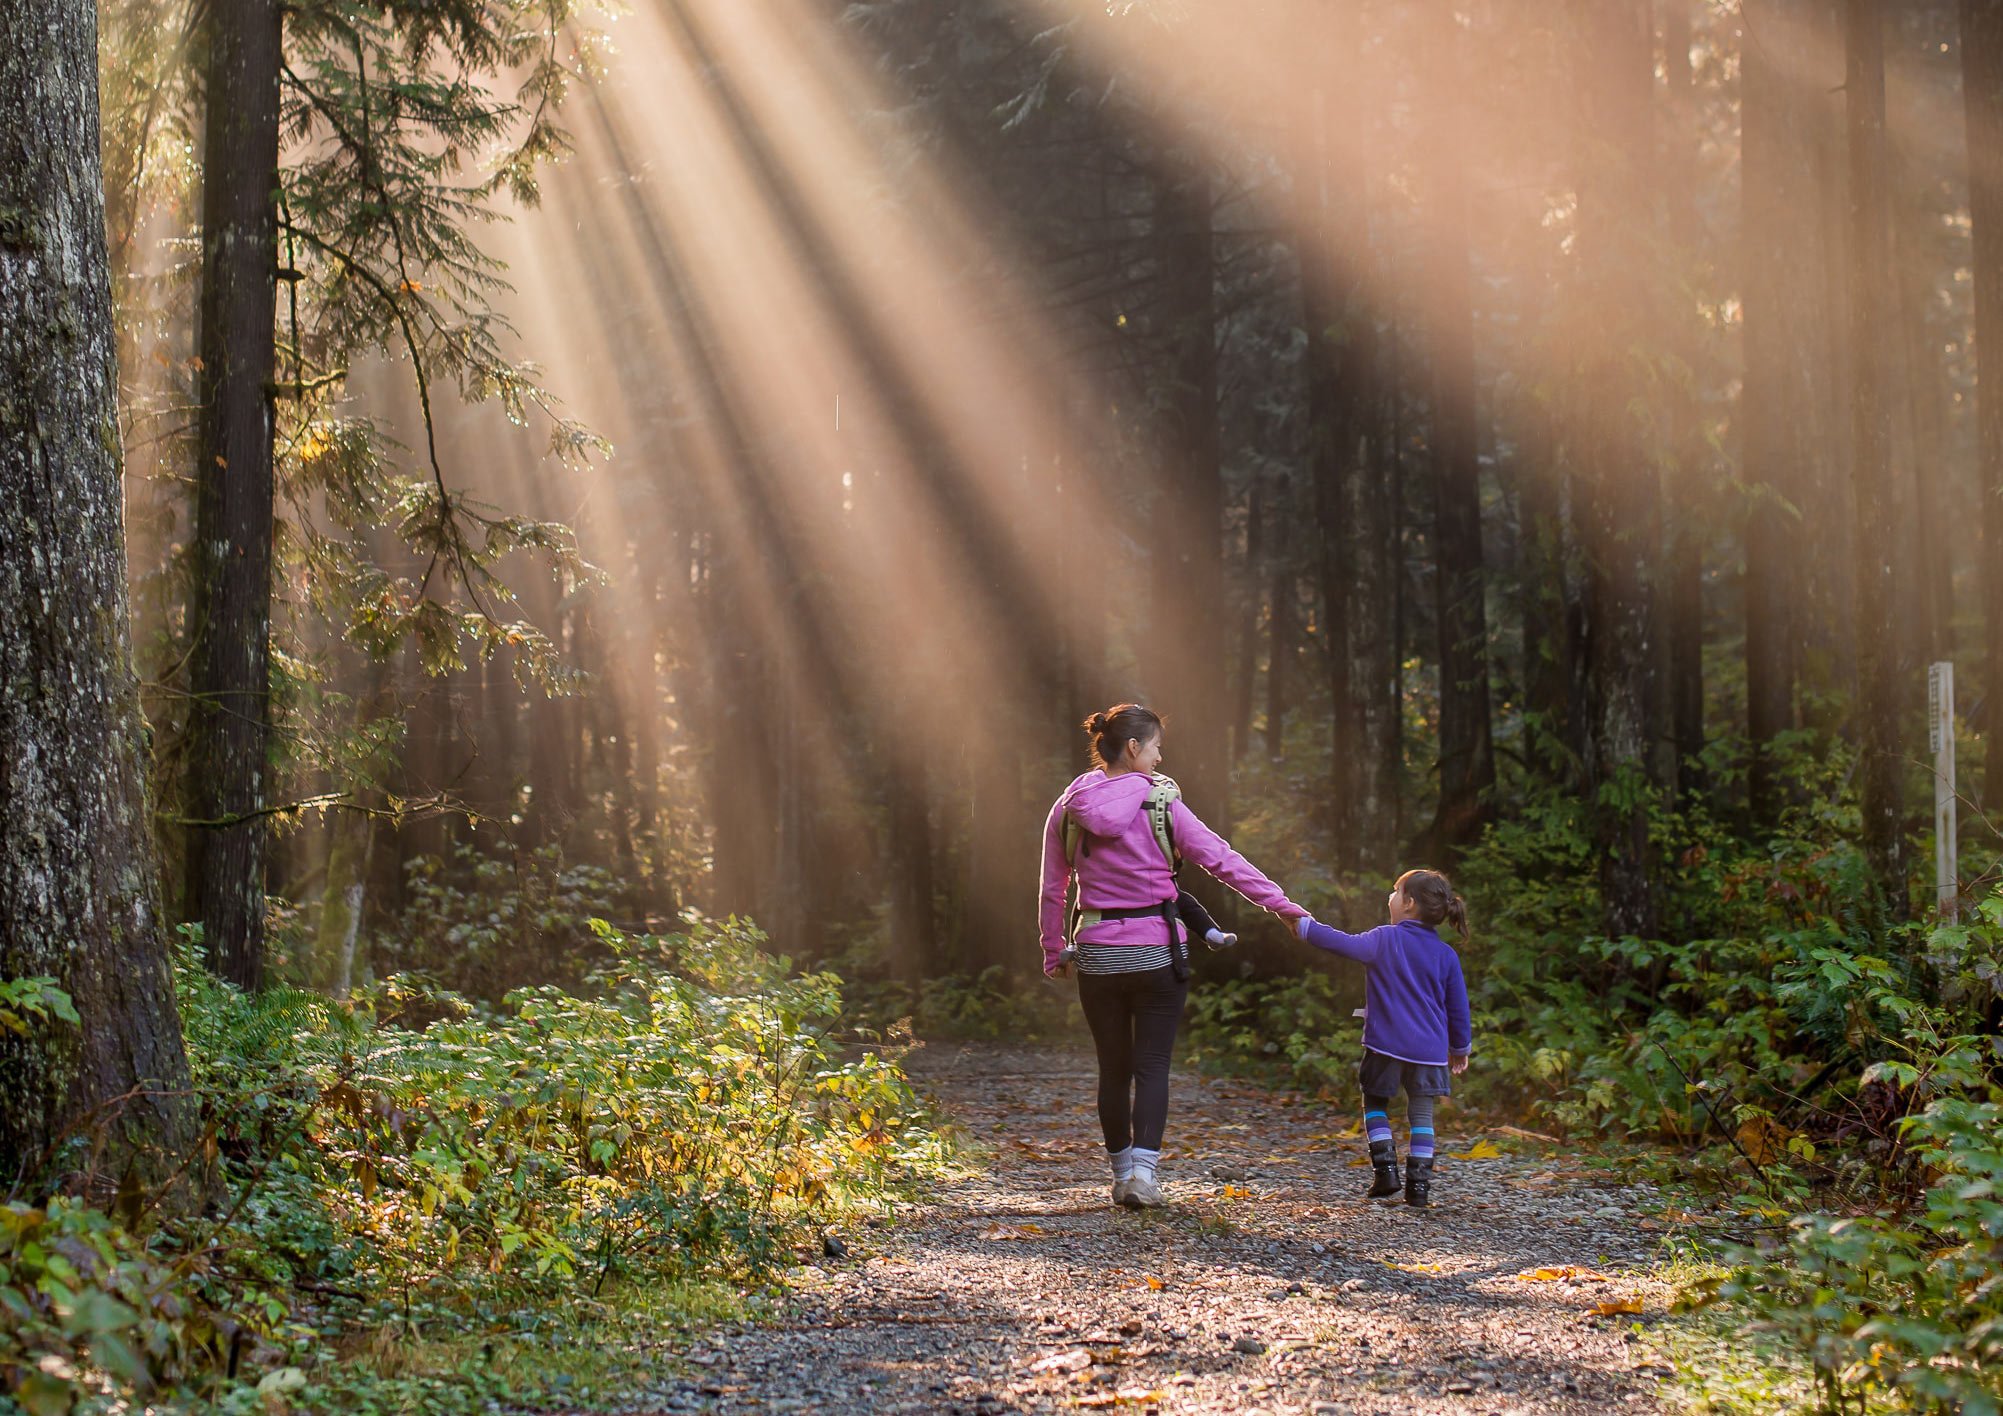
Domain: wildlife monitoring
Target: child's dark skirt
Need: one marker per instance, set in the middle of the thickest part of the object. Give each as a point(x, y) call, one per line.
point(1387, 1076)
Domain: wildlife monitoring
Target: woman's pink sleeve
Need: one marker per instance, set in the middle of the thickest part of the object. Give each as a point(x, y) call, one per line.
point(1211, 851)
point(1056, 880)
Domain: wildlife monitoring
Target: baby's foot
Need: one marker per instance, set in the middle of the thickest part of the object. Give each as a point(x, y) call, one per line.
point(1218, 939)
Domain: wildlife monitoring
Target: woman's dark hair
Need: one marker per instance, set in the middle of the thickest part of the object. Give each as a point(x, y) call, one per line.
point(1434, 896)
point(1111, 729)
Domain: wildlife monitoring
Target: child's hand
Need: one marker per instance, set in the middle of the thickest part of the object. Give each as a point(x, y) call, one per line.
point(1458, 1064)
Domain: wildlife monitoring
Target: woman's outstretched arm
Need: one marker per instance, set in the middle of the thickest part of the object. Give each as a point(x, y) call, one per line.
point(1199, 843)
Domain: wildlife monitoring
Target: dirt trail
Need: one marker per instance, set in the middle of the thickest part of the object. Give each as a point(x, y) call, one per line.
point(1268, 1286)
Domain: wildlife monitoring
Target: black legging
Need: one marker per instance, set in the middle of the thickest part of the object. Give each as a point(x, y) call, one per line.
point(1133, 1017)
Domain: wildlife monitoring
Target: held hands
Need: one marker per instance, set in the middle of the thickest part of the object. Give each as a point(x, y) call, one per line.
point(1457, 1065)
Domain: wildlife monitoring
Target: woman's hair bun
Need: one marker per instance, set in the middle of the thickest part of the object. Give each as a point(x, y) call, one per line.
point(1098, 722)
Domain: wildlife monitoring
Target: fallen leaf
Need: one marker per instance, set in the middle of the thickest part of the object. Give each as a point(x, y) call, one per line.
point(1234, 1192)
point(1075, 1359)
point(1014, 1231)
point(1562, 1273)
point(1481, 1150)
point(1522, 1135)
point(1416, 1268)
point(1618, 1305)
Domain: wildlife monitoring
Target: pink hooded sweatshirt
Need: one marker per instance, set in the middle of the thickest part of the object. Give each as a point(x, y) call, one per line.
point(1120, 866)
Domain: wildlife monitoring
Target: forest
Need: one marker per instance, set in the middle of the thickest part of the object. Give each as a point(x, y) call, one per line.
point(553, 554)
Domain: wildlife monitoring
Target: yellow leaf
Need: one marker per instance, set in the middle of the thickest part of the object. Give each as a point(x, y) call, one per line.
point(1561, 1274)
point(1617, 1305)
point(1416, 1268)
point(1763, 1139)
point(1156, 1284)
point(1481, 1150)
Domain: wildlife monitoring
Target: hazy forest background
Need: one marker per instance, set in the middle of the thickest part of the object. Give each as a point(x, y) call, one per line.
point(622, 495)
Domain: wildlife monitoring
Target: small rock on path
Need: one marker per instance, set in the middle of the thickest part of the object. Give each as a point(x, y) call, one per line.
point(1268, 1285)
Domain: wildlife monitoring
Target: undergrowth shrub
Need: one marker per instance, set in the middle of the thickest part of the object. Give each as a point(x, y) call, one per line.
point(414, 1160)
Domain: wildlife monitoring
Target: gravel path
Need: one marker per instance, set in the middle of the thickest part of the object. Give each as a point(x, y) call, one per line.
point(1268, 1286)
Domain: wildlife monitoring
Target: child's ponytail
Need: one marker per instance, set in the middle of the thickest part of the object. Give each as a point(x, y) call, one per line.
point(1433, 895)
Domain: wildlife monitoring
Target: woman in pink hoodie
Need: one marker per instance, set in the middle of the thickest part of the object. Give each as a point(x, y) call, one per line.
point(1133, 960)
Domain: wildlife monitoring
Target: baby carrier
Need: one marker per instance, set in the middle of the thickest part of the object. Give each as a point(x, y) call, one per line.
point(1162, 794)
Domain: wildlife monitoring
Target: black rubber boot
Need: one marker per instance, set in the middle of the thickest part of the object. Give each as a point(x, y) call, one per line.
point(1419, 1181)
point(1384, 1160)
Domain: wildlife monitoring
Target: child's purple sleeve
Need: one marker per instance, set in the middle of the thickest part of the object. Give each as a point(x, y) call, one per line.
point(1460, 1025)
point(1363, 948)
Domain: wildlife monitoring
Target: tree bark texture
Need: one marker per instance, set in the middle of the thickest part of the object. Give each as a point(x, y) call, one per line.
point(1982, 94)
point(79, 893)
point(1873, 298)
point(230, 607)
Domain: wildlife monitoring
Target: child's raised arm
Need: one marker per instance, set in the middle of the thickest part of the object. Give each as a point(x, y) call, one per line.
point(1364, 948)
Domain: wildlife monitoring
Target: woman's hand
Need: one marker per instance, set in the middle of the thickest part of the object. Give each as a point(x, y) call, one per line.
point(1457, 1065)
point(1057, 970)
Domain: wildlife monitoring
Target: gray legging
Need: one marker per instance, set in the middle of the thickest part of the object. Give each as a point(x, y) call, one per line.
point(1133, 1017)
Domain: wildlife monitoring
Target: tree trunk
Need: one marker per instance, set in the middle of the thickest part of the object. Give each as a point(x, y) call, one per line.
point(1982, 94)
point(1683, 590)
point(1467, 751)
point(1620, 511)
point(1280, 621)
point(1777, 410)
point(351, 846)
point(1872, 299)
point(1248, 624)
point(79, 887)
point(1355, 519)
point(1185, 672)
point(230, 602)
point(914, 942)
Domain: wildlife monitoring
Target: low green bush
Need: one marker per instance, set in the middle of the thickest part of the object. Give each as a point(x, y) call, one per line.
point(418, 1163)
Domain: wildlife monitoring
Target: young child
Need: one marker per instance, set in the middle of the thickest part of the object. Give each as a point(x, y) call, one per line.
point(1416, 1031)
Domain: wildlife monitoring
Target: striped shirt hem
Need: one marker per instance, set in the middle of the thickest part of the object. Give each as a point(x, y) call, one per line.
point(1122, 958)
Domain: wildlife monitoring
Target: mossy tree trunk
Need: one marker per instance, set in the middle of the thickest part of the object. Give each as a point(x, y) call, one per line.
point(79, 895)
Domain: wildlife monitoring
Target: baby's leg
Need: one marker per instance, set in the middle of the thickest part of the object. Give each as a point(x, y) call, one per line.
point(1199, 922)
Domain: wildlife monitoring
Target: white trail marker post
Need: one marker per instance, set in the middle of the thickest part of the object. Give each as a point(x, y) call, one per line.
point(1940, 722)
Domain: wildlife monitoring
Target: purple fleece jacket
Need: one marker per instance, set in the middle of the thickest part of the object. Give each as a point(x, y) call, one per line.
point(1119, 865)
point(1414, 998)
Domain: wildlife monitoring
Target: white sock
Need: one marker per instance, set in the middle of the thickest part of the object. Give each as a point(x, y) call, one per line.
point(1123, 1163)
point(1145, 1162)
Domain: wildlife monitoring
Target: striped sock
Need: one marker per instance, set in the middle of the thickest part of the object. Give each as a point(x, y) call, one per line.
point(1123, 1163)
point(1419, 1114)
point(1377, 1125)
point(1145, 1162)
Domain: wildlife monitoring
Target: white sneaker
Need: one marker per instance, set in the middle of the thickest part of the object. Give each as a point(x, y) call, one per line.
point(1143, 1192)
